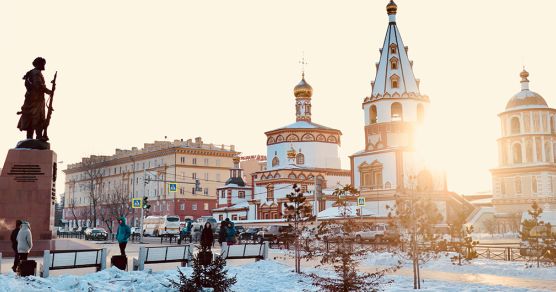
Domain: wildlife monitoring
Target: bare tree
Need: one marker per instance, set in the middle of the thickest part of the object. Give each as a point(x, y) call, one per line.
point(490, 226)
point(94, 176)
point(113, 204)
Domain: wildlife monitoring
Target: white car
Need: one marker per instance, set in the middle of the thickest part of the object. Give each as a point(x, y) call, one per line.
point(375, 233)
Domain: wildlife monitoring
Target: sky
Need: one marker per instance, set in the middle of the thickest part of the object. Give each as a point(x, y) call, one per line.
point(132, 72)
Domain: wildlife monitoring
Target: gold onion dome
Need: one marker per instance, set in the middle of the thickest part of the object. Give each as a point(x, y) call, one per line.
point(391, 8)
point(526, 98)
point(524, 74)
point(303, 89)
point(235, 160)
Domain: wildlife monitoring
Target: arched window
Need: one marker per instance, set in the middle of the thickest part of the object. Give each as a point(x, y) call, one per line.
point(300, 159)
point(516, 149)
point(515, 127)
point(394, 81)
point(373, 113)
point(420, 113)
point(396, 112)
point(552, 125)
point(275, 161)
point(394, 63)
point(393, 49)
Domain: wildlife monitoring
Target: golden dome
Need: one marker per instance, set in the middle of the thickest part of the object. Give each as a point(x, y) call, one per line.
point(391, 8)
point(235, 159)
point(524, 74)
point(303, 89)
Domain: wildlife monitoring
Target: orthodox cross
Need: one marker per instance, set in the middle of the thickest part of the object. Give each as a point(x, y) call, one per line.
point(303, 62)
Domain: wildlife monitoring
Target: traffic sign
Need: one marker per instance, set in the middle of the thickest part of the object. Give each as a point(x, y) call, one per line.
point(361, 201)
point(172, 187)
point(136, 203)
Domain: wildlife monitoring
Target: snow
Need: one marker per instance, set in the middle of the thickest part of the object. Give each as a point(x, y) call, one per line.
point(253, 277)
point(477, 266)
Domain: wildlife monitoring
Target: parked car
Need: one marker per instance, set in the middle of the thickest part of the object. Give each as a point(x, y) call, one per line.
point(239, 230)
point(96, 234)
point(375, 233)
point(274, 233)
point(135, 231)
point(249, 234)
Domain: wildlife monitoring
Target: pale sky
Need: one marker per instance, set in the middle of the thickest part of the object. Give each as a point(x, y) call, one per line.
point(131, 72)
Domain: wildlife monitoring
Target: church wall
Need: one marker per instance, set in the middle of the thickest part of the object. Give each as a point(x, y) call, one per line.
point(317, 154)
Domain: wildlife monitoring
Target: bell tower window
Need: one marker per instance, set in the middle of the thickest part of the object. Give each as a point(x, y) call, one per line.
point(275, 161)
point(393, 49)
point(515, 125)
point(373, 114)
point(394, 63)
point(394, 81)
point(396, 112)
point(300, 159)
point(516, 149)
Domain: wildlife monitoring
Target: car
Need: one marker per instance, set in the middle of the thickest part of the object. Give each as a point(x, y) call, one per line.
point(135, 231)
point(375, 233)
point(239, 230)
point(273, 233)
point(249, 234)
point(96, 234)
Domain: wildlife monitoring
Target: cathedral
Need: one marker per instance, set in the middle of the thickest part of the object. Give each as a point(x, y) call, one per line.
point(389, 167)
point(303, 153)
point(526, 169)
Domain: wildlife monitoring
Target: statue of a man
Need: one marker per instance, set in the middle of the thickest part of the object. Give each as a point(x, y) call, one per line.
point(32, 112)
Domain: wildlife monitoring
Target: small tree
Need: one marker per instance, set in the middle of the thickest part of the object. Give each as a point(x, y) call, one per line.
point(539, 236)
point(212, 276)
point(417, 215)
point(462, 241)
point(297, 212)
point(345, 257)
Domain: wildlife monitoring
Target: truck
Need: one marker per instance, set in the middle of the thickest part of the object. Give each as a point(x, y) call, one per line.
point(160, 225)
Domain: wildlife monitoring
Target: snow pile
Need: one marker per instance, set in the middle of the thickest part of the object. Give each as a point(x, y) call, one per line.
point(476, 266)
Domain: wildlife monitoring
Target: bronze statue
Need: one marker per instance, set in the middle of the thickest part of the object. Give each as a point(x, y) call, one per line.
point(32, 112)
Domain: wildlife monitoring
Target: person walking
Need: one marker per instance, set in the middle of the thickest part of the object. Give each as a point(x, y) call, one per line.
point(13, 238)
point(222, 232)
point(207, 237)
point(231, 233)
point(24, 241)
point(123, 234)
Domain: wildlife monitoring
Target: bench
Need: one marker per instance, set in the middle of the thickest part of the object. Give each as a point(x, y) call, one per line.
point(257, 251)
point(162, 254)
point(72, 259)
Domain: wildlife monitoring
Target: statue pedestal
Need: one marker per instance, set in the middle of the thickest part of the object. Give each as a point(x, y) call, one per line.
point(27, 184)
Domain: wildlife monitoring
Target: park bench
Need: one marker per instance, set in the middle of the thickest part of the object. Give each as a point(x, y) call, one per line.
point(72, 259)
point(257, 251)
point(162, 254)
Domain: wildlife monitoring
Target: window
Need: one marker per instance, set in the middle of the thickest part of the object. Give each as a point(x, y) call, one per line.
point(515, 127)
point(206, 176)
point(270, 192)
point(218, 177)
point(394, 81)
point(220, 217)
point(194, 175)
point(371, 175)
point(182, 206)
point(234, 217)
point(266, 216)
point(241, 194)
point(222, 194)
point(516, 149)
point(547, 152)
point(206, 206)
point(206, 160)
point(518, 185)
point(393, 49)
point(275, 161)
point(182, 159)
point(394, 63)
point(534, 187)
point(303, 189)
point(300, 158)
point(194, 207)
point(396, 111)
point(373, 114)
point(217, 162)
point(206, 191)
point(194, 161)
point(167, 207)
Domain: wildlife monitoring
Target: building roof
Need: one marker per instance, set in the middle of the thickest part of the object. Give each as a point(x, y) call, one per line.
point(526, 98)
point(237, 181)
point(393, 50)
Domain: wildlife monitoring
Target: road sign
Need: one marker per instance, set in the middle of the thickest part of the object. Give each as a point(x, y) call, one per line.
point(136, 203)
point(361, 201)
point(172, 187)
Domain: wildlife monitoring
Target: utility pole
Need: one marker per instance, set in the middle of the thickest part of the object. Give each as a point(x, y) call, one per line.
point(143, 207)
point(133, 193)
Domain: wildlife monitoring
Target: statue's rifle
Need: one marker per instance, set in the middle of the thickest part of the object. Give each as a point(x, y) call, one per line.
point(50, 108)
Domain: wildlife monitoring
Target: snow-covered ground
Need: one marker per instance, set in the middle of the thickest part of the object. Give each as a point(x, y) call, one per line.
point(477, 266)
point(253, 277)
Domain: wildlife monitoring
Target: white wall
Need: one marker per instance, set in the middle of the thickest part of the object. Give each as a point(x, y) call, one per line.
point(317, 154)
point(388, 160)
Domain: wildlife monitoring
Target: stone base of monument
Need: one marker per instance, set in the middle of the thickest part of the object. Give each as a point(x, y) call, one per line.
point(27, 186)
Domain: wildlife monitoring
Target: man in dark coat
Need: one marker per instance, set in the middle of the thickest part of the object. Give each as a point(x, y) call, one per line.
point(13, 238)
point(223, 231)
point(207, 237)
point(32, 112)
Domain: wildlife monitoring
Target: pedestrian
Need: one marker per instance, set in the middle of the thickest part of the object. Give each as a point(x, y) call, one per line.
point(13, 237)
point(231, 233)
point(123, 234)
point(207, 237)
point(185, 232)
point(24, 241)
point(222, 232)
